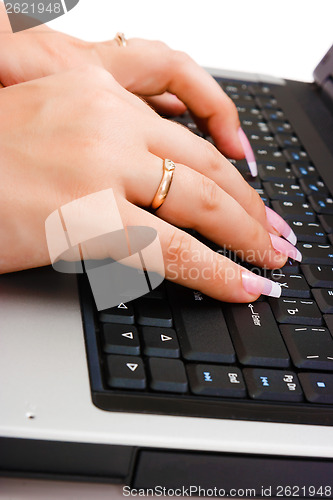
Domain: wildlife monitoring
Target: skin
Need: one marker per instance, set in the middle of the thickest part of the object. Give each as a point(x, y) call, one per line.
point(103, 135)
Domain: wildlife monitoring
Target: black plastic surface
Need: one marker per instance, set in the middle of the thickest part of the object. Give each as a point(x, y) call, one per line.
point(233, 473)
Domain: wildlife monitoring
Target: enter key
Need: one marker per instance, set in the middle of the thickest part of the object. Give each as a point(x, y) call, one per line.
point(256, 336)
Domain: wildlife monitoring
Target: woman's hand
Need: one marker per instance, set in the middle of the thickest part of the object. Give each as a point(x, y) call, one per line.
point(62, 138)
point(169, 80)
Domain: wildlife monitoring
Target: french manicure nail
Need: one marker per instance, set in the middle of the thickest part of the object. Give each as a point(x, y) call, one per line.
point(248, 151)
point(281, 226)
point(255, 285)
point(284, 247)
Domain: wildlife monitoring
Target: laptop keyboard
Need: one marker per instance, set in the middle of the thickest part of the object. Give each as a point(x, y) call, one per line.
point(176, 351)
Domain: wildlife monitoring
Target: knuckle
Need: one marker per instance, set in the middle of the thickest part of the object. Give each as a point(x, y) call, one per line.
point(208, 194)
point(180, 58)
point(178, 246)
point(213, 158)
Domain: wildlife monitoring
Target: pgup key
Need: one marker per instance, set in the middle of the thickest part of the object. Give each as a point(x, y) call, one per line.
point(296, 311)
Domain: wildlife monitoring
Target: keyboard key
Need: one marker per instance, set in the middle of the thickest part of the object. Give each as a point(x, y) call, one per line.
point(119, 339)
point(296, 311)
point(310, 232)
point(295, 155)
point(291, 266)
point(261, 140)
point(273, 115)
point(327, 222)
point(278, 127)
point(316, 253)
point(328, 318)
point(313, 186)
point(318, 276)
point(251, 125)
point(260, 89)
point(324, 299)
point(255, 335)
point(160, 342)
point(125, 372)
point(167, 375)
point(268, 155)
point(284, 191)
point(273, 385)
point(291, 210)
point(266, 102)
point(311, 348)
point(304, 169)
point(292, 285)
point(317, 387)
point(277, 172)
point(286, 140)
point(153, 312)
point(123, 313)
point(201, 327)
point(216, 380)
point(322, 204)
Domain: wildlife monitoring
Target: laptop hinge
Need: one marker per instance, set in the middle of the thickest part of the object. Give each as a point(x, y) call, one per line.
point(323, 75)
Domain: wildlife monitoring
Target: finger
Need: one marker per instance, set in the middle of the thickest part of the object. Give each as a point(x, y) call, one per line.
point(190, 263)
point(197, 202)
point(170, 140)
point(166, 104)
point(154, 69)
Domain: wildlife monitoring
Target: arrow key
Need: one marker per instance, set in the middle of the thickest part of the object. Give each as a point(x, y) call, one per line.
point(120, 339)
point(125, 372)
point(123, 313)
point(160, 342)
point(167, 375)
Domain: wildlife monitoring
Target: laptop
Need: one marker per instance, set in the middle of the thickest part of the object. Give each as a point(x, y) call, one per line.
point(175, 390)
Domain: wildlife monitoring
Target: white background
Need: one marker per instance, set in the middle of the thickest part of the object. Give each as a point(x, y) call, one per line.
point(283, 38)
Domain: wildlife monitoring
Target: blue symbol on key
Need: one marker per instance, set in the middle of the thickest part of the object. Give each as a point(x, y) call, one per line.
point(208, 377)
point(322, 204)
point(295, 156)
point(313, 187)
point(264, 381)
point(303, 171)
point(321, 384)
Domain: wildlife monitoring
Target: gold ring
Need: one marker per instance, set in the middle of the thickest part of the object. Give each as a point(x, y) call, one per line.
point(121, 39)
point(163, 188)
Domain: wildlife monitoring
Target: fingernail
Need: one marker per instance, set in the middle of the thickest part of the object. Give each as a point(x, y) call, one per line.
point(248, 151)
point(281, 226)
point(256, 285)
point(284, 247)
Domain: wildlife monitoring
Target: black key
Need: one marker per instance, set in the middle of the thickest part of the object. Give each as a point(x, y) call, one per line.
point(294, 155)
point(316, 253)
point(304, 169)
point(296, 311)
point(263, 195)
point(119, 339)
point(324, 299)
point(153, 312)
point(157, 293)
point(279, 127)
point(275, 172)
point(330, 237)
point(248, 110)
point(241, 99)
point(267, 102)
point(273, 115)
point(268, 155)
point(216, 380)
point(251, 125)
point(124, 314)
point(318, 276)
point(261, 140)
point(327, 222)
point(260, 89)
point(328, 318)
point(291, 266)
point(167, 375)
point(313, 186)
point(201, 327)
point(292, 285)
point(293, 210)
point(255, 335)
point(243, 168)
point(310, 232)
point(311, 348)
point(317, 387)
point(125, 372)
point(273, 385)
point(322, 204)
point(284, 191)
point(286, 140)
point(160, 342)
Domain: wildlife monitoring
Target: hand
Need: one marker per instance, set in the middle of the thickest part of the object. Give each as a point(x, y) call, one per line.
point(169, 80)
point(62, 138)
